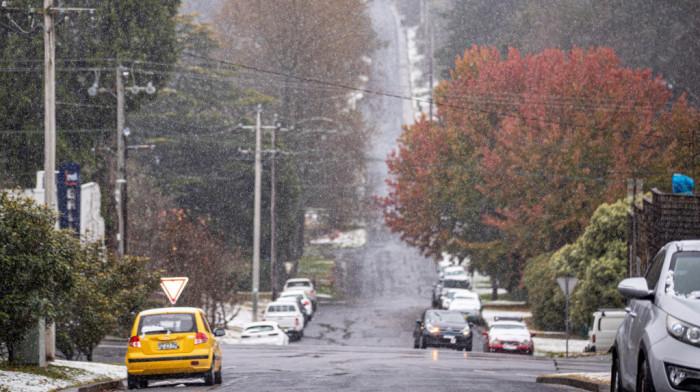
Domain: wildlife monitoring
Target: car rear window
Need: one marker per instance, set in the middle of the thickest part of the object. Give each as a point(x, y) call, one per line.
point(456, 284)
point(281, 308)
point(260, 328)
point(167, 323)
point(298, 284)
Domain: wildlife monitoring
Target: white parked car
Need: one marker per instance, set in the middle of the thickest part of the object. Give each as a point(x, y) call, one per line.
point(469, 307)
point(657, 347)
point(264, 332)
point(508, 335)
point(457, 293)
point(454, 272)
point(301, 295)
point(303, 284)
point(601, 332)
point(289, 317)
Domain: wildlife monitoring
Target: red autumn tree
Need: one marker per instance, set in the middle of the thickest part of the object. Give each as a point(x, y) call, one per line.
point(526, 148)
point(187, 247)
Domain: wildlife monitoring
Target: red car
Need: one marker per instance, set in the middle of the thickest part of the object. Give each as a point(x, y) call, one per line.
point(509, 335)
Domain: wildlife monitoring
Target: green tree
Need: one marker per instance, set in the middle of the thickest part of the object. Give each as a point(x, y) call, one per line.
point(35, 267)
point(138, 34)
point(310, 56)
point(108, 292)
point(198, 162)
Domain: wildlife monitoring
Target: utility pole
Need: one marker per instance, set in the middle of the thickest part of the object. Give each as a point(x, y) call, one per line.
point(256, 213)
point(273, 212)
point(49, 107)
point(120, 186)
point(273, 206)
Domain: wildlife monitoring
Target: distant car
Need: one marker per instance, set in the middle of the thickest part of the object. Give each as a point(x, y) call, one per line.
point(509, 335)
point(289, 317)
point(454, 271)
point(602, 330)
point(457, 293)
point(175, 342)
point(303, 284)
point(470, 308)
point(264, 332)
point(657, 346)
point(442, 328)
point(298, 297)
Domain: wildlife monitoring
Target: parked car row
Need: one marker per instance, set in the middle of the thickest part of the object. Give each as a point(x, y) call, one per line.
point(290, 313)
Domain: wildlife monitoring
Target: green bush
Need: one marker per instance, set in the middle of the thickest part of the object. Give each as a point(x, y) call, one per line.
point(597, 258)
point(35, 267)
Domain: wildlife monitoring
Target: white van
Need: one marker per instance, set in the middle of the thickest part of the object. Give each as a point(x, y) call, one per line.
point(601, 332)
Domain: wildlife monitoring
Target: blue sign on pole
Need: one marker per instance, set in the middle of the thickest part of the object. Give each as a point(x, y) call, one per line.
point(68, 195)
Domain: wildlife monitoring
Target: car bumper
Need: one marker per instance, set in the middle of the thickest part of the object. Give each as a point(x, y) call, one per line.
point(189, 364)
point(510, 348)
point(668, 352)
point(452, 341)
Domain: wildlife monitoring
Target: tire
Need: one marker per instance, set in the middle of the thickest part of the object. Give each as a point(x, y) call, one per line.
point(133, 382)
point(217, 376)
point(209, 376)
point(615, 379)
point(423, 344)
point(644, 380)
point(415, 343)
point(468, 347)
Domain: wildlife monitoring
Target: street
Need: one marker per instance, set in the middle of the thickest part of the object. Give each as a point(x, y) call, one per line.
point(363, 340)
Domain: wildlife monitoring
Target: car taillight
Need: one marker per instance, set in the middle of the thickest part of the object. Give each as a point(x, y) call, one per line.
point(135, 341)
point(200, 338)
point(297, 321)
point(593, 338)
point(263, 319)
point(306, 302)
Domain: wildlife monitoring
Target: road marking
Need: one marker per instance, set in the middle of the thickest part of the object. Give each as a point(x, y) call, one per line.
point(526, 375)
point(230, 367)
point(484, 371)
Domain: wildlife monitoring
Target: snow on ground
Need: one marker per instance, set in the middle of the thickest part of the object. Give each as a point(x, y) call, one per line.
point(548, 346)
point(78, 373)
point(348, 239)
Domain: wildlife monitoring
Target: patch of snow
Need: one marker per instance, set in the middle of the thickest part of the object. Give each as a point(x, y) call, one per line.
point(348, 239)
point(80, 373)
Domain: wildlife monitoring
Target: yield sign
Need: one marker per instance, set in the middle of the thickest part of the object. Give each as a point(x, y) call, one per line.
point(173, 287)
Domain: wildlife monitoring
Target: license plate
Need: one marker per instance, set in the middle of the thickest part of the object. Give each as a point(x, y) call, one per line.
point(168, 346)
point(509, 347)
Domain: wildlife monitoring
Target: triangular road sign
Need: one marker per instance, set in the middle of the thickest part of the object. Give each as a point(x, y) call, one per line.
point(173, 287)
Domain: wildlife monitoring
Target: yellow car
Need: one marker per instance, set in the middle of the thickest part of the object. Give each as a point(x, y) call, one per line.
point(173, 343)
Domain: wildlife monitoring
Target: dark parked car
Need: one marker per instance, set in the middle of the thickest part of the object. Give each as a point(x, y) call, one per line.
point(442, 328)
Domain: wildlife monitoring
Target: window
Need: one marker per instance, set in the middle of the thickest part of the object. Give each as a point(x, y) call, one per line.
point(654, 272)
point(167, 323)
point(686, 273)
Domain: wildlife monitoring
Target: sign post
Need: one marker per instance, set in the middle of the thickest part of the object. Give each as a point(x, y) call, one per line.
point(173, 287)
point(567, 286)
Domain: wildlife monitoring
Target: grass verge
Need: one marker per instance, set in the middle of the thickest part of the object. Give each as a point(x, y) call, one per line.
point(315, 266)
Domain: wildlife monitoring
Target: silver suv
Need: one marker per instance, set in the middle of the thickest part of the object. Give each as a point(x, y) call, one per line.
point(657, 347)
